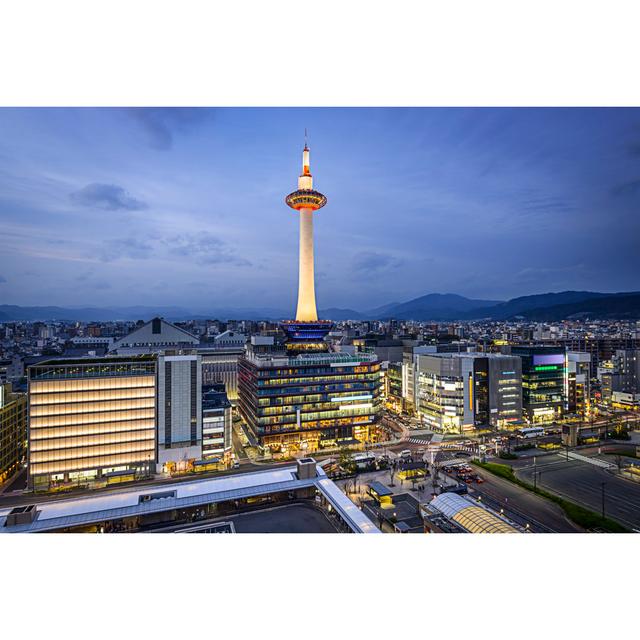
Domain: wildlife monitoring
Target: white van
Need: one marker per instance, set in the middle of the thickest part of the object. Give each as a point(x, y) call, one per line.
point(406, 453)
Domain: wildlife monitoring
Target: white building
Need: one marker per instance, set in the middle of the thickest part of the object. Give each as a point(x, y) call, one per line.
point(179, 411)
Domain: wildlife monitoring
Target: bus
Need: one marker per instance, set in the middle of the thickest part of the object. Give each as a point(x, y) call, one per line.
point(532, 432)
point(364, 460)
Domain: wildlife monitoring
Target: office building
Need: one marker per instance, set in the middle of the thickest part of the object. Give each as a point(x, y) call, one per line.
point(216, 423)
point(179, 412)
point(627, 365)
point(543, 375)
point(578, 383)
point(394, 386)
point(220, 365)
point(310, 401)
point(456, 392)
point(91, 417)
point(13, 431)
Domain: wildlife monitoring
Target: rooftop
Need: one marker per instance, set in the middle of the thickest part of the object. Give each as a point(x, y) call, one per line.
point(90, 509)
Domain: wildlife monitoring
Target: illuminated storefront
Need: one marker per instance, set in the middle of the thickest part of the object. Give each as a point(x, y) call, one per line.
point(88, 418)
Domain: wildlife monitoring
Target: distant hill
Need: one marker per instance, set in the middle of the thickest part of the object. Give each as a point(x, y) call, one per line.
point(516, 306)
point(620, 306)
point(435, 306)
point(340, 314)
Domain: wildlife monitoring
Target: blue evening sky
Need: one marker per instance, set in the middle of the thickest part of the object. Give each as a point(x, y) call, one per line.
point(186, 206)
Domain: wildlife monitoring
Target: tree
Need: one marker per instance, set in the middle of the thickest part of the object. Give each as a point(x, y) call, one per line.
point(345, 459)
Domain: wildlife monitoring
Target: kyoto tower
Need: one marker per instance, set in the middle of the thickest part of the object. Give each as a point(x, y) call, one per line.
point(306, 332)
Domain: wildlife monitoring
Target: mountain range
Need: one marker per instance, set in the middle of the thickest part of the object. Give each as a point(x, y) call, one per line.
point(433, 306)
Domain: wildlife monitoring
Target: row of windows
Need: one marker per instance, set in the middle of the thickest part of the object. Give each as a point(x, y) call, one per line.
point(318, 389)
point(140, 458)
point(309, 371)
point(316, 415)
point(92, 407)
point(84, 418)
point(283, 382)
point(91, 384)
point(90, 429)
point(90, 396)
point(319, 424)
point(98, 370)
point(99, 451)
point(87, 441)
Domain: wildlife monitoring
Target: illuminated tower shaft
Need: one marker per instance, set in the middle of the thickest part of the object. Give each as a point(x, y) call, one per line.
point(306, 311)
point(305, 200)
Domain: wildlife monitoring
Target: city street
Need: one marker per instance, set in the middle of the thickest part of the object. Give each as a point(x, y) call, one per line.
point(510, 495)
point(582, 483)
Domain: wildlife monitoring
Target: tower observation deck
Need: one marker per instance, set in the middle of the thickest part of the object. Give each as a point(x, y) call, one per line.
point(306, 332)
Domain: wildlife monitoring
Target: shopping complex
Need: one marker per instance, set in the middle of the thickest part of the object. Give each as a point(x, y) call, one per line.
point(182, 505)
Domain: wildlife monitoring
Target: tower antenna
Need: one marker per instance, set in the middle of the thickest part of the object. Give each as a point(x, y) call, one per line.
point(305, 137)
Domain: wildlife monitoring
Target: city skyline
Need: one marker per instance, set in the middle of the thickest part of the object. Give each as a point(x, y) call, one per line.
point(116, 207)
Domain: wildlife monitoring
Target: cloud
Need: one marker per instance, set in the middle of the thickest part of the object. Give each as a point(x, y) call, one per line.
point(368, 261)
point(109, 197)
point(630, 188)
point(205, 248)
point(161, 123)
point(125, 248)
point(546, 204)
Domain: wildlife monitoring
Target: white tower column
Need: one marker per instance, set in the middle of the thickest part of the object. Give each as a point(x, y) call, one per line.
point(306, 311)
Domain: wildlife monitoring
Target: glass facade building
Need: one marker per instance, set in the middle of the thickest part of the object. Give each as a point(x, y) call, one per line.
point(543, 382)
point(462, 391)
point(310, 401)
point(13, 431)
point(216, 423)
point(90, 417)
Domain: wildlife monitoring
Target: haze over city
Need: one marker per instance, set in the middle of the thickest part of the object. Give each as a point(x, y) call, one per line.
point(164, 206)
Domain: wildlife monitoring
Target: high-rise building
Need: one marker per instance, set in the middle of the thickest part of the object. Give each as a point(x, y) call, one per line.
point(306, 332)
point(462, 391)
point(578, 383)
point(308, 398)
point(627, 364)
point(13, 431)
point(179, 411)
point(310, 401)
point(216, 423)
point(90, 417)
point(543, 382)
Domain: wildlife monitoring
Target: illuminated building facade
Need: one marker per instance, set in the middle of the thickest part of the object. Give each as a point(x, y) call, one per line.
point(13, 431)
point(543, 382)
point(578, 383)
point(462, 391)
point(179, 411)
point(310, 401)
point(216, 423)
point(91, 417)
point(307, 398)
point(306, 332)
